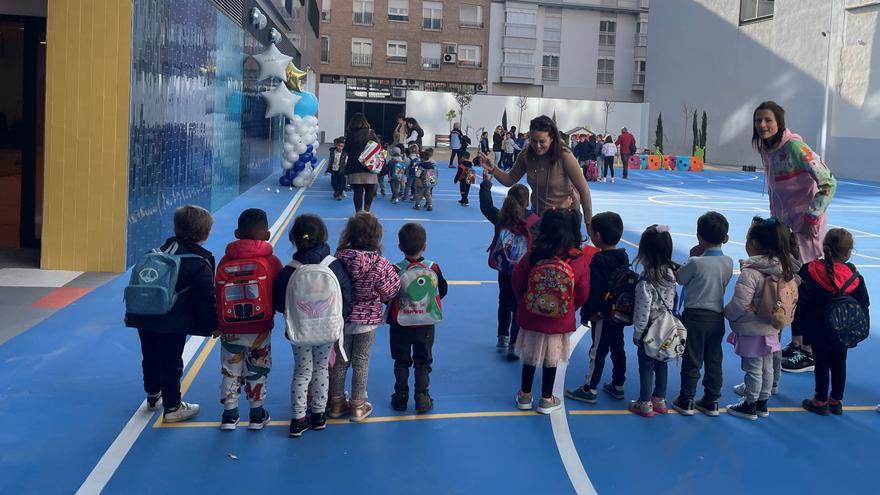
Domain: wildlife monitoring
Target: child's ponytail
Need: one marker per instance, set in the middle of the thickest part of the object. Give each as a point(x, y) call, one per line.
point(837, 246)
point(774, 240)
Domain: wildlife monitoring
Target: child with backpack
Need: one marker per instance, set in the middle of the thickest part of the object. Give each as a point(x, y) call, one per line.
point(550, 283)
point(336, 168)
point(512, 240)
point(374, 282)
point(465, 176)
point(314, 293)
point(411, 173)
point(832, 311)
point(245, 319)
point(170, 296)
point(425, 181)
point(657, 333)
point(755, 329)
point(609, 309)
point(412, 317)
point(398, 166)
point(704, 276)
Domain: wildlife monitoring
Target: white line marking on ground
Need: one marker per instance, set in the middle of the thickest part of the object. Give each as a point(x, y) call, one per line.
point(113, 457)
point(407, 219)
point(562, 434)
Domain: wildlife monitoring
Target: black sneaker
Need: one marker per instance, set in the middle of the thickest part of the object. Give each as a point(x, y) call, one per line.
point(153, 401)
point(789, 350)
point(801, 362)
point(229, 420)
point(743, 409)
point(814, 406)
point(685, 407)
point(318, 421)
point(399, 401)
point(761, 409)
point(708, 407)
point(835, 407)
point(613, 391)
point(259, 417)
point(424, 402)
point(298, 426)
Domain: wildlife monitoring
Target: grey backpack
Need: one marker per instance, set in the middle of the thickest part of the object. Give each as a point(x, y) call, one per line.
point(152, 289)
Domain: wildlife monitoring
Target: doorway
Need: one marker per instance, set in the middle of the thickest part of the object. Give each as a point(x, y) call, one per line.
point(381, 116)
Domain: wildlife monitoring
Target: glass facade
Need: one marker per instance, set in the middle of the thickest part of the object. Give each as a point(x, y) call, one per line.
point(197, 131)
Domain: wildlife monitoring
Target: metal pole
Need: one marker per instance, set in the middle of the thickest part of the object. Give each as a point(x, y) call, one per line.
point(823, 135)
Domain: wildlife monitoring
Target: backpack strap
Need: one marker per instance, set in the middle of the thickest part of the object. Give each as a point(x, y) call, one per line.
point(327, 261)
point(849, 282)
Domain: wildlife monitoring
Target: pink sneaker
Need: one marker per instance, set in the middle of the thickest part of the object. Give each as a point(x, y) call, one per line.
point(642, 408)
point(659, 405)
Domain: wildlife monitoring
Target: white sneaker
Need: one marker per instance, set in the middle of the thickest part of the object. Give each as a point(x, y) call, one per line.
point(183, 412)
point(740, 390)
point(612, 179)
point(547, 406)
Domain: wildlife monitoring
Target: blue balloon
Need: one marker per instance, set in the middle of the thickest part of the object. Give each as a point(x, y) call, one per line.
point(291, 173)
point(307, 105)
point(309, 148)
point(299, 166)
point(314, 159)
point(285, 181)
point(306, 157)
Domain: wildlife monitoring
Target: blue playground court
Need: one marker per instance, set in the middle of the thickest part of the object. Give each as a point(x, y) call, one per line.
point(72, 402)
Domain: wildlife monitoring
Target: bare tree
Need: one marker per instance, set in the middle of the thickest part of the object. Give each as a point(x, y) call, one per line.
point(464, 99)
point(609, 108)
point(686, 114)
point(523, 103)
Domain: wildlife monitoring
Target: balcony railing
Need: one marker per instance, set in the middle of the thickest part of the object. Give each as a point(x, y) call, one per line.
point(432, 23)
point(396, 59)
point(362, 59)
point(518, 70)
point(325, 16)
point(607, 39)
point(430, 63)
point(639, 79)
point(520, 30)
point(470, 24)
point(470, 63)
point(365, 18)
point(550, 73)
point(641, 40)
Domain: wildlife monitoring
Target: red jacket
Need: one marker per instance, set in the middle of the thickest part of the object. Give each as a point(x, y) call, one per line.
point(580, 265)
point(625, 141)
point(261, 251)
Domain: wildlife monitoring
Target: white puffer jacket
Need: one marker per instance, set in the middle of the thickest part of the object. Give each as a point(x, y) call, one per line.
point(747, 296)
point(648, 302)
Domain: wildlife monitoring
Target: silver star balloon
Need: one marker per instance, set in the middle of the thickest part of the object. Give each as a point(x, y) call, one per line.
point(280, 101)
point(273, 63)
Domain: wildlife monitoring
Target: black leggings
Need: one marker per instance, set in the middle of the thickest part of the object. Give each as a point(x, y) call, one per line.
point(464, 188)
point(609, 165)
point(452, 157)
point(831, 361)
point(507, 325)
point(363, 195)
point(548, 377)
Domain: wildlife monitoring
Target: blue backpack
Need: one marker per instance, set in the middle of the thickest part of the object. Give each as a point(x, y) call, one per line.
point(152, 289)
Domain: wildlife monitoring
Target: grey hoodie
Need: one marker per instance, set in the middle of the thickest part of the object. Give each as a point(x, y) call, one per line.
point(747, 296)
point(648, 305)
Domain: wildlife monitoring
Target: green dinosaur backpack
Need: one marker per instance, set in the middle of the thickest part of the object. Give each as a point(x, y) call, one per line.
point(418, 302)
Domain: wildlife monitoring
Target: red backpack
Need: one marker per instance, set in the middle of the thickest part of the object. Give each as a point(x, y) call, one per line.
point(550, 292)
point(244, 294)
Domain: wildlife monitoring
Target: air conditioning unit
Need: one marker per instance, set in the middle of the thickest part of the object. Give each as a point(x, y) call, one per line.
point(480, 87)
point(398, 93)
point(400, 82)
point(450, 58)
point(450, 48)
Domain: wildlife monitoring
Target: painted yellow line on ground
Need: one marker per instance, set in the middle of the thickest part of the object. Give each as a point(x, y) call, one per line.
point(378, 419)
point(471, 282)
point(287, 221)
point(611, 412)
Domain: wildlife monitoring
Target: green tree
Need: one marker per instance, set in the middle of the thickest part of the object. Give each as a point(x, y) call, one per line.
point(504, 119)
point(450, 116)
point(658, 136)
point(703, 126)
point(696, 141)
point(464, 99)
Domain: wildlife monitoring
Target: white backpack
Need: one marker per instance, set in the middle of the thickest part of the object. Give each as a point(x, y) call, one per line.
point(665, 338)
point(313, 305)
point(418, 302)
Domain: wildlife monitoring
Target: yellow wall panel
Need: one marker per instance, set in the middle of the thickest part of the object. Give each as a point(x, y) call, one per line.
point(87, 101)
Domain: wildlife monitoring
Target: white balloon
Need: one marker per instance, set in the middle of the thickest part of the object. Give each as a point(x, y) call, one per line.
point(312, 138)
point(273, 63)
point(292, 156)
point(295, 139)
point(288, 147)
point(280, 101)
point(300, 148)
point(286, 165)
point(299, 181)
point(296, 119)
point(311, 120)
point(289, 129)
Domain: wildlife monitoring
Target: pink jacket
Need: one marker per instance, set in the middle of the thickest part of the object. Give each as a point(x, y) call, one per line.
point(374, 282)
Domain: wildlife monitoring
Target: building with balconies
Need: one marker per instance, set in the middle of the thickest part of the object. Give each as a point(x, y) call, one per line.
point(576, 49)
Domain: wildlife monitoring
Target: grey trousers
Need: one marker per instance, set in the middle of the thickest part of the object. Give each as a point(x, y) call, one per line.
point(759, 377)
point(311, 365)
point(357, 348)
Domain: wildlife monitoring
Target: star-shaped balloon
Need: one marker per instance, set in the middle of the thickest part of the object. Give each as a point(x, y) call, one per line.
point(280, 101)
point(272, 63)
point(295, 76)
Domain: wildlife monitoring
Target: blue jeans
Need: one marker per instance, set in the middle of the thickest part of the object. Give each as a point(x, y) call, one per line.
point(409, 188)
point(652, 374)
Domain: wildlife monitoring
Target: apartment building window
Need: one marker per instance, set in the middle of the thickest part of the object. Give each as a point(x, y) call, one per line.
point(639, 78)
point(755, 10)
point(432, 16)
point(396, 51)
point(431, 56)
point(550, 67)
point(518, 64)
point(605, 72)
point(325, 49)
point(519, 23)
point(553, 28)
point(641, 33)
point(361, 51)
point(325, 10)
point(398, 10)
point(607, 33)
point(362, 12)
point(470, 16)
point(470, 56)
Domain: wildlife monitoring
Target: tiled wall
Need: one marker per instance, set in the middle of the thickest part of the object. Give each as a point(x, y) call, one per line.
point(197, 129)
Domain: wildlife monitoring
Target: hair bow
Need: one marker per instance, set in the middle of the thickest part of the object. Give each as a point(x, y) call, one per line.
point(305, 237)
point(664, 229)
point(771, 222)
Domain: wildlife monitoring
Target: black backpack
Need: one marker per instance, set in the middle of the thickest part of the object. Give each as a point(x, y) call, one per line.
point(620, 295)
point(846, 319)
